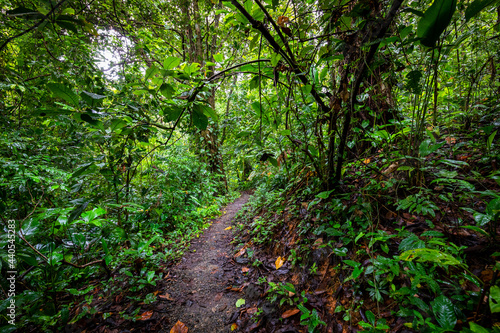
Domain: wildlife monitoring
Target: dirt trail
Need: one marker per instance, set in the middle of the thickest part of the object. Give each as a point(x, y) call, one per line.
point(197, 285)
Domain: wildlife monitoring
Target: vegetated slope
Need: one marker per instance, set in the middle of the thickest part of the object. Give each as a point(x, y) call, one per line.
point(380, 253)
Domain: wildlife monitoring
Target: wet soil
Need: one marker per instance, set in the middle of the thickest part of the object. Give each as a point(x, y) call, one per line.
point(197, 288)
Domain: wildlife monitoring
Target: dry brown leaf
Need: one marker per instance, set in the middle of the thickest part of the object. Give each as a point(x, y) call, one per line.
point(167, 297)
point(290, 313)
point(450, 140)
point(146, 315)
point(245, 269)
point(179, 327)
point(279, 262)
point(242, 250)
point(252, 310)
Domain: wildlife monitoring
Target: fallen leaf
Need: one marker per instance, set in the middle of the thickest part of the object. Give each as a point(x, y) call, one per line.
point(252, 310)
point(179, 327)
point(290, 313)
point(228, 228)
point(450, 140)
point(240, 302)
point(242, 250)
point(279, 262)
point(167, 297)
point(234, 327)
point(366, 161)
point(146, 315)
point(245, 269)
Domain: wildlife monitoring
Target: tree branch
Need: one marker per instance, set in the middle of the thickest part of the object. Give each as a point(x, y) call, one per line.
point(10, 39)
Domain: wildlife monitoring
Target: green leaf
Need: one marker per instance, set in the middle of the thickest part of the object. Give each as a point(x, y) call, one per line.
point(93, 96)
point(87, 118)
point(172, 112)
point(257, 107)
point(240, 302)
point(171, 63)
point(495, 299)
point(199, 118)
point(324, 195)
point(218, 57)
point(474, 228)
point(426, 148)
point(207, 110)
point(444, 311)
point(481, 219)
point(117, 124)
point(493, 207)
point(81, 170)
point(275, 58)
point(150, 276)
point(67, 25)
point(490, 139)
point(474, 8)
point(475, 328)
point(285, 132)
point(430, 255)
point(435, 21)
point(64, 92)
point(167, 90)
point(411, 242)
point(8, 328)
point(150, 72)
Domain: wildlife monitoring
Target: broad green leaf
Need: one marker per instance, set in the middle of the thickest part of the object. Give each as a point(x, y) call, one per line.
point(444, 311)
point(257, 107)
point(430, 255)
point(493, 207)
point(171, 63)
point(324, 195)
point(64, 92)
point(167, 90)
point(475, 328)
point(117, 124)
point(199, 118)
point(435, 21)
point(172, 112)
point(477, 6)
point(93, 96)
point(426, 148)
point(207, 110)
point(411, 242)
point(275, 58)
point(481, 219)
point(490, 139)
point(150, 72)
point(192, 68)
point(495, 299)
point(81, 170)
point(285, 132)
point(67, 25)
point(240, 302)
point(87, 118)
point(218, 57)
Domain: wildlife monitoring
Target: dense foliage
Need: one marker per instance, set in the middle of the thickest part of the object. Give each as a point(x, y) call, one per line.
point(126, 125)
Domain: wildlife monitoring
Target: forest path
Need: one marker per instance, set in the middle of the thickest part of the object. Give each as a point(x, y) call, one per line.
point(197, 285)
